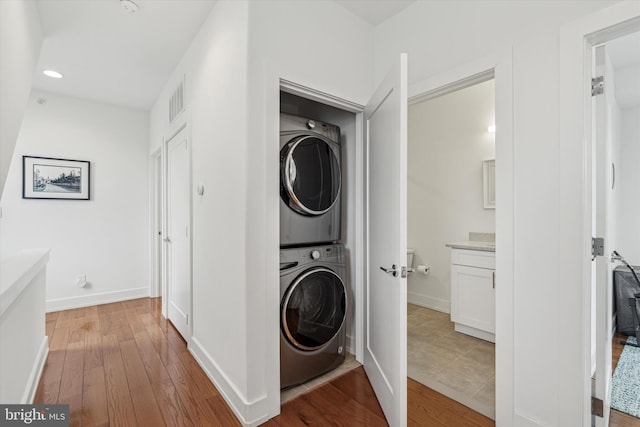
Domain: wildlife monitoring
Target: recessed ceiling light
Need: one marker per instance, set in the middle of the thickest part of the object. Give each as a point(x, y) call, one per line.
point(53, 74)
point(129, 6)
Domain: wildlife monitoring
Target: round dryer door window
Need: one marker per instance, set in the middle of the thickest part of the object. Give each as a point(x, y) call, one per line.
point(313, 309)
point(310, 175)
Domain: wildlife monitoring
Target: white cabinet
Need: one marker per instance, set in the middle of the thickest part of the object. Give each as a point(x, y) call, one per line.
point(473, 293)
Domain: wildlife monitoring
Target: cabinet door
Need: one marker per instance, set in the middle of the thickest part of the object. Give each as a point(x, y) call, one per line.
point(473, 297)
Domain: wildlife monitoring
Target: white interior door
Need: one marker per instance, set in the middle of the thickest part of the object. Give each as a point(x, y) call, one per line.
point(385, 358)
point(603, 269)
point(177, 234)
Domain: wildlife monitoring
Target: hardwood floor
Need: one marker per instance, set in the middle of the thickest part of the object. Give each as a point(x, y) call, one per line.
point(617, 418)
point(122, 364)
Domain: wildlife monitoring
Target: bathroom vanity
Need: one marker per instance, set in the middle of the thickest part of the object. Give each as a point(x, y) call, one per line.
point(473, 283)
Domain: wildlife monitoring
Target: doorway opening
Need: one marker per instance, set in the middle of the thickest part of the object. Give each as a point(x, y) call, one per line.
point(615, 176)
point(451, 236)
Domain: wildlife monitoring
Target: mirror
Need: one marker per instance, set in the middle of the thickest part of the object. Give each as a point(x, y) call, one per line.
point(489, 183)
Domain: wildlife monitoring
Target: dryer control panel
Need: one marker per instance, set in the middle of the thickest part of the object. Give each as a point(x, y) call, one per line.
point(328, 253)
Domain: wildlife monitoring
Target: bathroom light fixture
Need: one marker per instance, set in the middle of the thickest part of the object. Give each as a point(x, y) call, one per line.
point(492, 129)
point(53, 74)
point(129, 6)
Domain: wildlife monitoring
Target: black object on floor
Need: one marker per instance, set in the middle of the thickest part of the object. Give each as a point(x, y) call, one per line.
point(628, 316)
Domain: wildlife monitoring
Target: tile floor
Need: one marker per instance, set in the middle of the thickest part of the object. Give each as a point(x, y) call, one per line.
point(457, 365)
point(350, 363)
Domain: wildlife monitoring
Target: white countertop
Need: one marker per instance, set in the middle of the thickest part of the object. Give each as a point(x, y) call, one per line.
point(16, 273)
point(473, 245)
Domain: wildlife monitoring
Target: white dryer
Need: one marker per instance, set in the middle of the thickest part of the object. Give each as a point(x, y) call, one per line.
point(310, 181)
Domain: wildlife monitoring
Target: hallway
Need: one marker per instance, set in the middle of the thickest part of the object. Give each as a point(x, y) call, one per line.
point(124, 364)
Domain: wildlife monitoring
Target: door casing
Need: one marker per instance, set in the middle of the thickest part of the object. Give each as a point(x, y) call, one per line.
point(577, 40)
point(501, 65)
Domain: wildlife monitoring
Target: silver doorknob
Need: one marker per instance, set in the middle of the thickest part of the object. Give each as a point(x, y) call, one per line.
point(391, 270)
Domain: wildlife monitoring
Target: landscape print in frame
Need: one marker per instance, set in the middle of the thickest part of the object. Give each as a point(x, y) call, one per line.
point(50, 178)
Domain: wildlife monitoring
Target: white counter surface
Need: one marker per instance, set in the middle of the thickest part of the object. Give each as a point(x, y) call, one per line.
point(473, 245)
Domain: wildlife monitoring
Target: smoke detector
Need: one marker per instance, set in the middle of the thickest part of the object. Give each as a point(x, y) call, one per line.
point(129, 6)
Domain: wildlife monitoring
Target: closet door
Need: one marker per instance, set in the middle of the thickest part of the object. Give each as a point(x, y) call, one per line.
point(385, 322)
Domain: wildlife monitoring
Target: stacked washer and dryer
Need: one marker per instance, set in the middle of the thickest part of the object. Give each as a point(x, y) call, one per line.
point(313, 295)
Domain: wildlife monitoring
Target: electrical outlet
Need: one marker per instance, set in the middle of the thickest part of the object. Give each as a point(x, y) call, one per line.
point(81, 280)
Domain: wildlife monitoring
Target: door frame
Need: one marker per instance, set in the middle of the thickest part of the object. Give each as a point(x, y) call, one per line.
point(499, 67)
point(576, 42)
point(165, 221)
point(155, 222)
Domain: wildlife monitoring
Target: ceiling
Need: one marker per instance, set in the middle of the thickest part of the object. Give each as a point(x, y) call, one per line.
point(110, 55)
point(374, 11)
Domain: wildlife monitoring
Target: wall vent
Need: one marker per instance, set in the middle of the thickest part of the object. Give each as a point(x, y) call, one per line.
point(176, 102)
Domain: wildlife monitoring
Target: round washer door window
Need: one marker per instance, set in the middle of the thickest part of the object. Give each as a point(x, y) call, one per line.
point(310, 175)
point(313, 309)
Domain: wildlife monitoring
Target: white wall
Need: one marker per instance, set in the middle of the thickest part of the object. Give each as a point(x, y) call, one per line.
point(544, 388)
point(448, 140)
point(105, 238)
point(322, 46)
point(20, 43)
point(628, 184)
point(233, 111)
point(215, 70)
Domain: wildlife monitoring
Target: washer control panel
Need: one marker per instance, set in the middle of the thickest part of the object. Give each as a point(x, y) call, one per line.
point(328, 253)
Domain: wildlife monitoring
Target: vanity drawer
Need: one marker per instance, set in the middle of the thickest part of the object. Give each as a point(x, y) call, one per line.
point(471, 258)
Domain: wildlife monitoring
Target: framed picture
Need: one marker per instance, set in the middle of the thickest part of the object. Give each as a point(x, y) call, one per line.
point(47, 178)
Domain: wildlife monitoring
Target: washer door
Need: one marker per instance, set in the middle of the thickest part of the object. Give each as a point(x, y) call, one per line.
point(310, 175)
point(313, 309)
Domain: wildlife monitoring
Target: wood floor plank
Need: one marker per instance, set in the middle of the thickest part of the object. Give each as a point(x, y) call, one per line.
point(95, 410)
point(336, 405)
point(200, 413)
point(71, 383)
point(144, 402)
point(358, 388)
point(121, 411)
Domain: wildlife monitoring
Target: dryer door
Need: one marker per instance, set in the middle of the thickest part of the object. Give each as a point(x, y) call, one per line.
point(313, 309)
point(310, 175)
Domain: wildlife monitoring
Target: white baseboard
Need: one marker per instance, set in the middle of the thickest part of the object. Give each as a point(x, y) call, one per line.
point(36, 372)
point(426, 301)
point(96, 299)
point(250, 414)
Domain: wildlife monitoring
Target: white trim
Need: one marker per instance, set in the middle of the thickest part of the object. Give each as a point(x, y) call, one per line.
point(575, 42)
point(501, 65)
point(318, 96)
point(96, 299)
point(249, 413)
point(177, 127)
point(463, 83)
point(359, 261)
point(478, 333)
point(432, 303)
point(36, 372)
point(155, 247)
